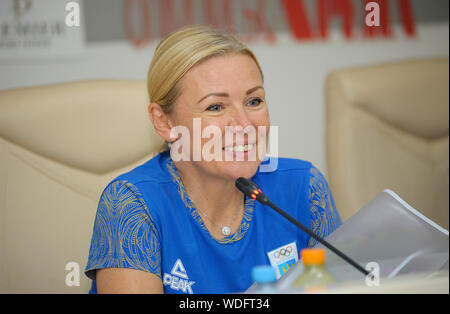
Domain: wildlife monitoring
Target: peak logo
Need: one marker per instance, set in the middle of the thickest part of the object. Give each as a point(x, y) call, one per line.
point(178, 278)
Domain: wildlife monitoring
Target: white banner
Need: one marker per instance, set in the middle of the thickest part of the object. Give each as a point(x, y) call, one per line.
point(40, 28)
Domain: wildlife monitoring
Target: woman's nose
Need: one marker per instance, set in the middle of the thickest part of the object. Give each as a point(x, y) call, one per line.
point(239, 118)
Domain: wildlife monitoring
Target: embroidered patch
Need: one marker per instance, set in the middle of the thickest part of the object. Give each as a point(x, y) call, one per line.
point(283, 258)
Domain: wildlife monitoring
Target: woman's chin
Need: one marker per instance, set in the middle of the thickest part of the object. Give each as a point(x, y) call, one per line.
point(237, 169)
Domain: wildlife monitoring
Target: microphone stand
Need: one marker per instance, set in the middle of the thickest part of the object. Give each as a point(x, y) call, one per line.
point(251, 190)
point(319, 239)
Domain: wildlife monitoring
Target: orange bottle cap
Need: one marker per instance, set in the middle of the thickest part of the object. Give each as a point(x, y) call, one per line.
point(313, 256)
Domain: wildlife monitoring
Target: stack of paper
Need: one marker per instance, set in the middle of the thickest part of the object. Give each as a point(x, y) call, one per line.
point(389, 234)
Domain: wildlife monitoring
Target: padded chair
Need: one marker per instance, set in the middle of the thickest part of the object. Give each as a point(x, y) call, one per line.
point(60, 145)
point(388, 127)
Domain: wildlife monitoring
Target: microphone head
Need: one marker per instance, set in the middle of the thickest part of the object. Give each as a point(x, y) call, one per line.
point(246, 186)
point(250, 189)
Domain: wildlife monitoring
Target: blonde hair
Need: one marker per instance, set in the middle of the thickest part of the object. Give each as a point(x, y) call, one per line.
point(179, 52)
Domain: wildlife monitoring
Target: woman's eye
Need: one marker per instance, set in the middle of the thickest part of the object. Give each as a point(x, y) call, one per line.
point(255, 102)
point(214, 108)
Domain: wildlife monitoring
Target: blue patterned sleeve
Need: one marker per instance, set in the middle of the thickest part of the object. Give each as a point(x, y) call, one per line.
point(124, 234)
point(324, 215)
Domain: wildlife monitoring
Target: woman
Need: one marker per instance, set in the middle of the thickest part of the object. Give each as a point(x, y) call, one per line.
point(179, 225)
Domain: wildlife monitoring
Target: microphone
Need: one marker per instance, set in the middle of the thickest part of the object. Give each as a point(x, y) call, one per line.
point(250, 189)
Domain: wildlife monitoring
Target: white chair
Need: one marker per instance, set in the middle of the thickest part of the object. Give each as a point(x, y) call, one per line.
point(59, 147)
point(388, 127)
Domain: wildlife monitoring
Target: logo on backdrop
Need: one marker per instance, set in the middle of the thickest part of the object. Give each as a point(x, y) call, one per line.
point(20, 7)
point(44, 28)
point(371, 19)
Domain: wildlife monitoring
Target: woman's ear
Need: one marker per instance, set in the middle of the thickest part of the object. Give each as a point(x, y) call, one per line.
point(160, 121)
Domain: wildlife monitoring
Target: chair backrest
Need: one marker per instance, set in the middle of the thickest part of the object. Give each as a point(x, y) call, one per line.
point(388, 127)
point(59, 147)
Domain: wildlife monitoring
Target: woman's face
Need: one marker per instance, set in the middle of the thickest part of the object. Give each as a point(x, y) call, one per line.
point(226, 95)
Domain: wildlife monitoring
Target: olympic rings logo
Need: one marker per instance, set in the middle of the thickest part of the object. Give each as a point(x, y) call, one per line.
point(284, 252)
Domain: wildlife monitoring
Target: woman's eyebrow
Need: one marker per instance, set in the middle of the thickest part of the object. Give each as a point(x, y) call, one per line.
point(251, 90)
point(214, 94)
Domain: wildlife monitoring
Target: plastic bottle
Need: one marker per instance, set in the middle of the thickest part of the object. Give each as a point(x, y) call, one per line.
point(265, 279)
point(314, 277)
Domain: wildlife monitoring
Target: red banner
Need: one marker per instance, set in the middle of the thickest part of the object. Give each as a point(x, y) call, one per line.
point(251, 23)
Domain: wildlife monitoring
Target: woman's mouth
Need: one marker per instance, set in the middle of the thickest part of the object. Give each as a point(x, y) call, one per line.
point(239, 148)
point(245, 152)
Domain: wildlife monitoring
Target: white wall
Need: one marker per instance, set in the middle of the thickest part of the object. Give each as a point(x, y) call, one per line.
point(294, 74)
